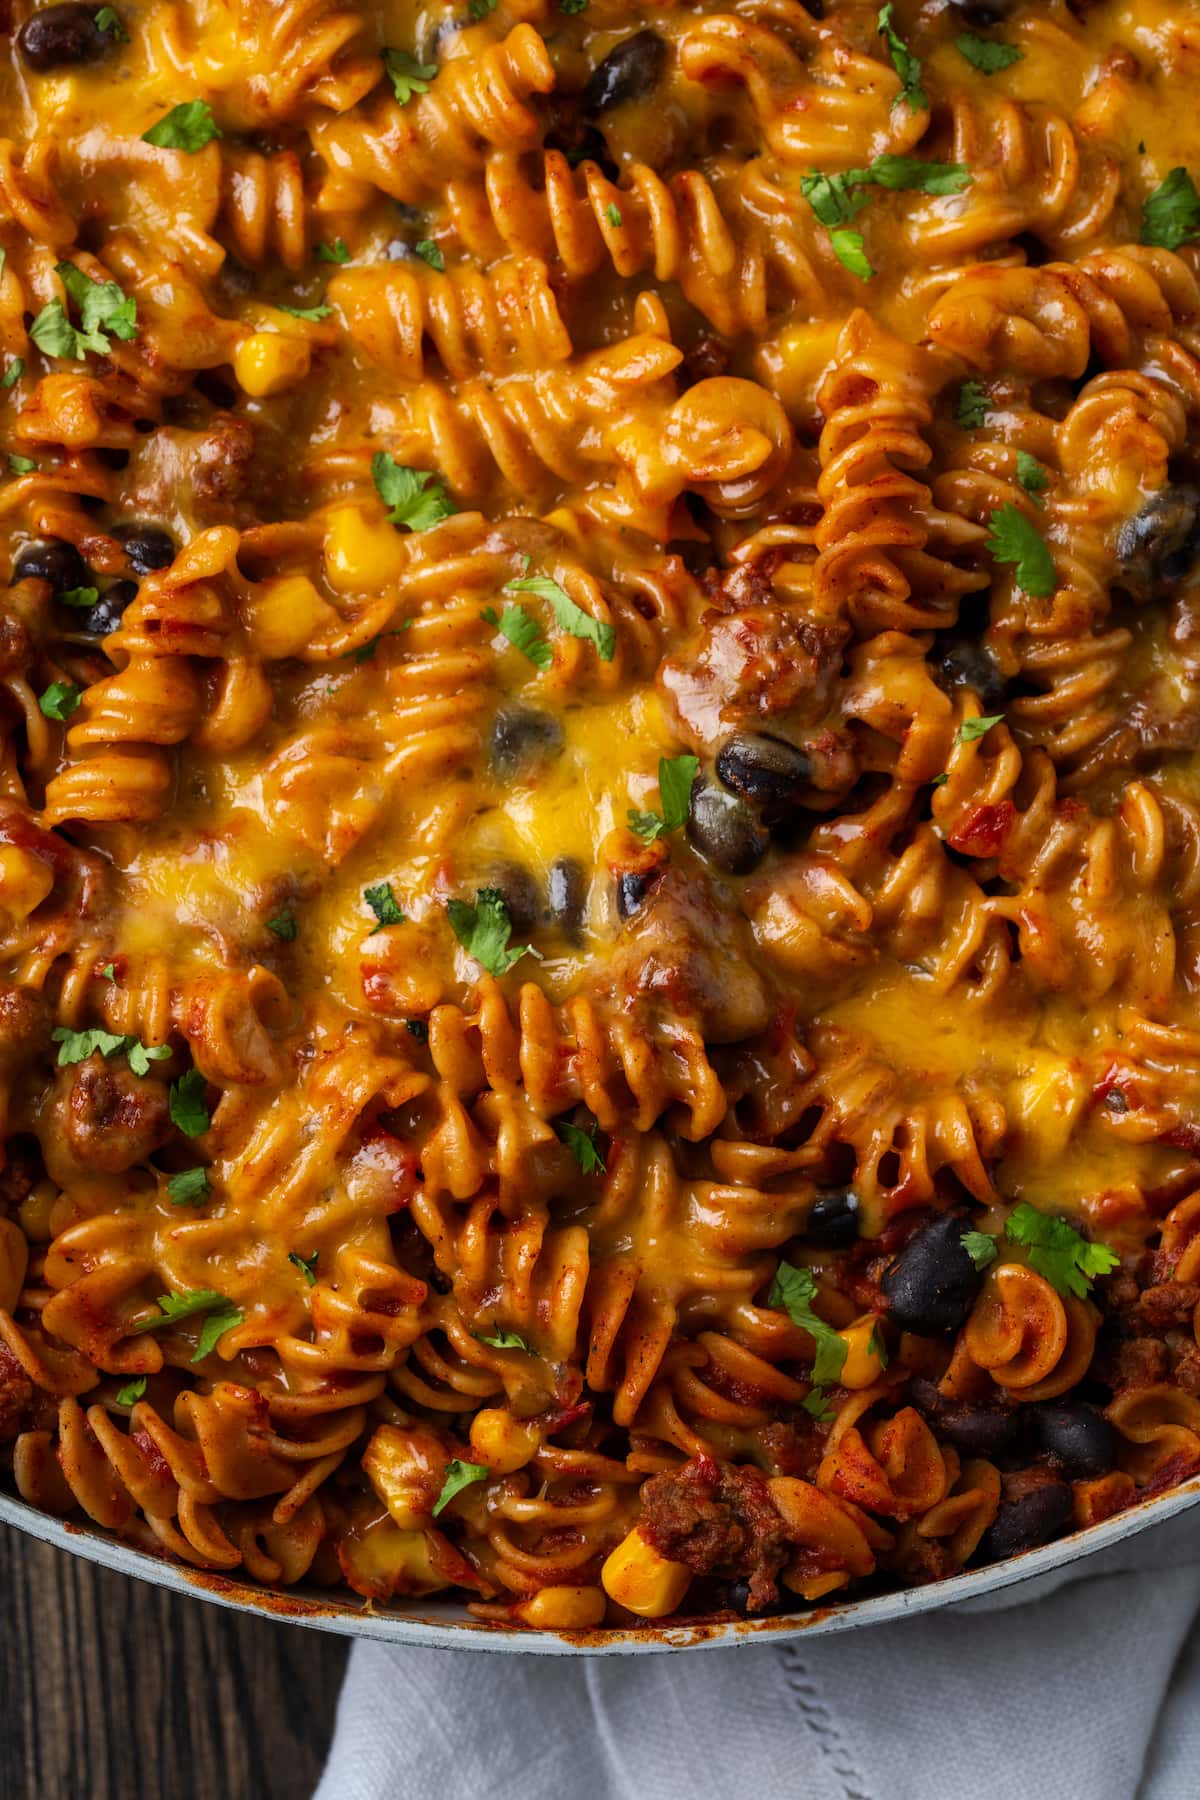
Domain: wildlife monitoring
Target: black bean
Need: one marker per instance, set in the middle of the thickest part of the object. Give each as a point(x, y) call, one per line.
point(1160, 543)
point(149, 547)
point(52, 560)
point(631, 891)
point(105, 616)
point(726, 830)
point(766, 770)
point(627, 73)
point(978, 1430)
point(63, 37)
point(965, 662)
point(1033, 1510)
point(832, 1221)
point(568, 897)
point(983, 13)
point(931, 1284)
point(520, 735)
point(1080, 1439)
point(739, 1602)
point(522, 899)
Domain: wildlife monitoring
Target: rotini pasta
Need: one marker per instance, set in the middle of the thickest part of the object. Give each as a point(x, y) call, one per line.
point(599, 834)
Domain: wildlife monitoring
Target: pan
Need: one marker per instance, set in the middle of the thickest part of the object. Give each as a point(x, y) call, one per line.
point(445, 1625)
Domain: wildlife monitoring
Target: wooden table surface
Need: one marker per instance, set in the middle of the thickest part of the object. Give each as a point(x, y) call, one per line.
point(111, 1689)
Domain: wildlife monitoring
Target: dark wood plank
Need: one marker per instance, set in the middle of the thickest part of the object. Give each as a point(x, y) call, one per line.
point(111, 1689)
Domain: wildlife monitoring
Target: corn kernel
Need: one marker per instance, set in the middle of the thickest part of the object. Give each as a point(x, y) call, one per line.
point(502, 1442)
point(268, 362)
point(14, 1259)
point(642, 1581)
point(25, 880)
point(863, 1365)
point(362, 555)
point(563, 1609)
point(284, 614)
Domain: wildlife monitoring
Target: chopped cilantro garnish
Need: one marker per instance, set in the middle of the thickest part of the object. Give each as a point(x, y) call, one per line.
point(132, 1392)
point(906, 65)
point(108, 19)
point(1015, 539)
point(431, 253)
point(581, 1143)
point(336, 252)
point(189, 1188)
point(1171, 214)
point(188, 1103)
point(1032, 477)
point(985, 54)
point(1057, 1251)
point(503, 1340)
point(21, 465)
point(188, 126)
point(980, 1248)
point(612, 213)
point(971, 730)
point(570, 616)
point(407, 75)
point(283, 925)
point(484, 929)
point(383, 903)
point(312, 315)
point(307, 1265)
point(675, 777)
point(80, 596)
point(522, 632)
point(414, 497)
point(458, 1476)
point(13, 373)
point(795, 1290)
point(971, 409)
point(60, 700)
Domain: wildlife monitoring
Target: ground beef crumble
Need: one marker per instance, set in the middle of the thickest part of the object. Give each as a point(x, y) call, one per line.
point(717, 1519)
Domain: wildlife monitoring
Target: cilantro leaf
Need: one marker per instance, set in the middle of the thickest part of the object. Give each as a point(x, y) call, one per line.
point(214, 1329)
point(307, 1265)
point(504, 1340)
point(838, 199)
point(22, 465)
point(572, 6)
point(54, 335)
point(915, 175)
point(189, 1188)
point(816, 1402)
point(108, 19)
point(1014, 539)
point(612, 213)
point(484, 929)
point(980, 1248)
point(582, 1145)
point(283, 925)
point(336, 252)
point(522, 632)
point(407, 75)
point(189, 1104)
point(76, 1046)
point(835, 199)
point(1069, 1262)
point(1171, 214)
point(794, 1290)
point(108, 972)
point(458, 1476)
point(906, 65)
point(1031, 475)
point(142, 1055)
point(431, 253)
point(60, 700)
point(971, 730)
point(985, 54)
point(132, 1392)
point(571, 617)
point(876, 1346)
point(311, 315)
point(188, 126)
point(82, 596)
point(383, 903)
point(175, 1307)
point(675, 777)
point(479, 9)
point(103, 306)
point(848, 248)
point(414, 497)
point(13, 373)
point(971, 408)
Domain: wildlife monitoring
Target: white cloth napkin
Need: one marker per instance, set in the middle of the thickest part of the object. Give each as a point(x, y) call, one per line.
point(1081, 1685)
